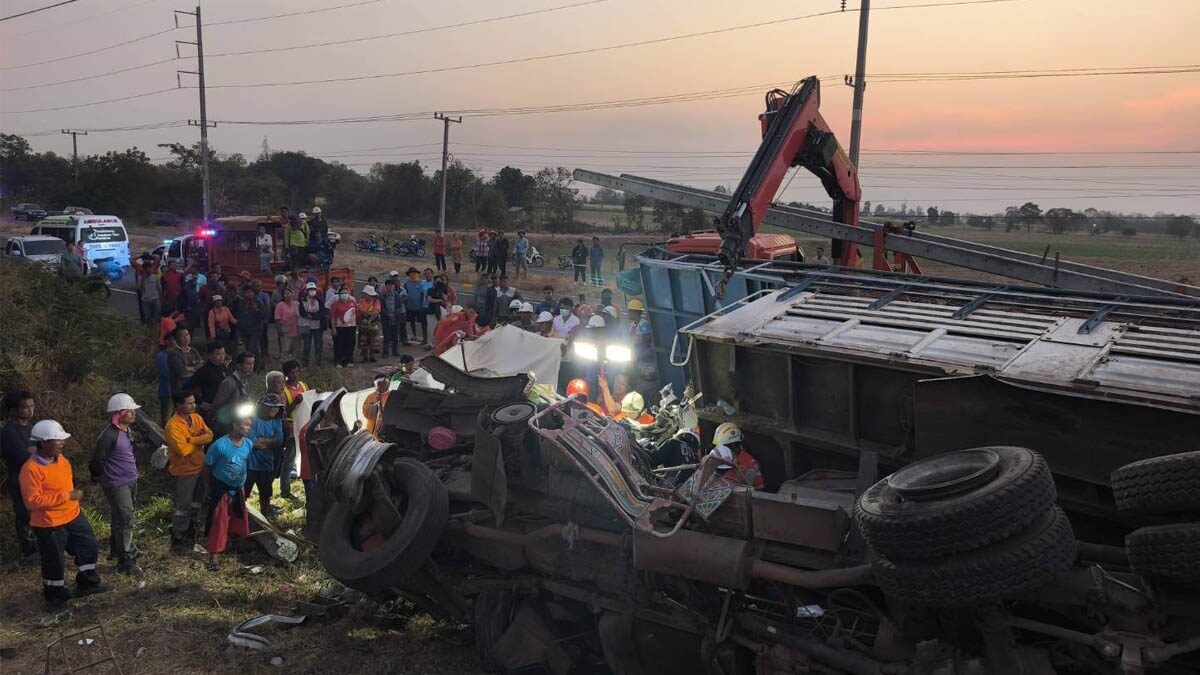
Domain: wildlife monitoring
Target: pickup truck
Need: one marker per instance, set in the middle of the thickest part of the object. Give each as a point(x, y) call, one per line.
point(27, 211)
point(36, 248)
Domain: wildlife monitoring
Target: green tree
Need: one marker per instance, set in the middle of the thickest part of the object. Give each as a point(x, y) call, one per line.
point(554, 199)
point(932, 216)
point(668, 216)
point(635, 211)
point(1181, 226)
point(1062, 220)
point(695, 219)
point(515, 185)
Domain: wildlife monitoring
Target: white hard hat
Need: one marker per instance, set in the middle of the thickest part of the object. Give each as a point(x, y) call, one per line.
point(48, 430)
point(526, 307)
point(515, 304)
point(725, 453)
point(596, 321)
point(369, 290)
point(316, 210)
point(303, 216)
point(119, 402)
point(394, 273)
point(455, 309)
point(545, 317)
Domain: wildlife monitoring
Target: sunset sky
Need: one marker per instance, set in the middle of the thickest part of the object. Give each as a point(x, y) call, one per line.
point(702, 142)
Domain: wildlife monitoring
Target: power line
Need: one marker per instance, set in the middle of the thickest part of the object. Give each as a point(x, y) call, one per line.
point(39, 9)
point(592, 50)
point(89, 53)
point(409, 32)
point(89, 77)
point(92, 103)
point(58, 26)
point(290, 14)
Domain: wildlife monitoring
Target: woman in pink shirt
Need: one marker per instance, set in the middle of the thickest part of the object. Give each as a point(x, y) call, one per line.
point(287, 320)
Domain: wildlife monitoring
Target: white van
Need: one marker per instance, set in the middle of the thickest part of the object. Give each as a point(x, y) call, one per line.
point(100, 236)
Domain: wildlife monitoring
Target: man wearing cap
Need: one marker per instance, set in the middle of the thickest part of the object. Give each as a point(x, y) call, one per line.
point(225, 473)
point(266, 446)
point(318, 234)
point(114, 466)
point(313, 315)
point(296, 237)
point(187, 434)
point(58, 523)
point(524, 320)
point(545, 324)
point(391, 317)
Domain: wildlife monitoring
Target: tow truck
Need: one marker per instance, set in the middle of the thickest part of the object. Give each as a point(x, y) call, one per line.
point(231, 243)
point(962, 478)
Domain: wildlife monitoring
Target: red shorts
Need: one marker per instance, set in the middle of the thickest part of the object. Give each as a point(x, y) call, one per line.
point(224, 523)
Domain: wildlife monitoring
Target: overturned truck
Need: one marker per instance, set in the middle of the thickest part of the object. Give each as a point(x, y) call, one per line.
point(956, 484)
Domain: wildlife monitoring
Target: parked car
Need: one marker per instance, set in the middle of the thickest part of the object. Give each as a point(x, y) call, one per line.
point(164, 219)
point(36, 248)
point(27, 211)
point(71, 211)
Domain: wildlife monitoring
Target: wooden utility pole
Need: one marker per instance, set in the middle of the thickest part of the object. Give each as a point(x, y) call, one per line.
point(203, 122)
point(445, 158)
point(75, 134)
point(860, 81)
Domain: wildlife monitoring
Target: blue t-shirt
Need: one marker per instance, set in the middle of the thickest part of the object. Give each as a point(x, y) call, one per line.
point(228, 461)
point(264, 459)
point(426, 286)
point(164, 374)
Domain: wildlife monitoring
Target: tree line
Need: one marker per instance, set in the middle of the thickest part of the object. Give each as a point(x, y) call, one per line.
point(129, 184)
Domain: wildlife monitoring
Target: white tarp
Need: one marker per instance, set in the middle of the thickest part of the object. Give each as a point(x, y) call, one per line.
point(508, 350)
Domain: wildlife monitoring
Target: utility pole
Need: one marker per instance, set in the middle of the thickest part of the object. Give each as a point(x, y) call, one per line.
point(75, 134)
point(860, 81)
point(445, 157)
point(203, 123)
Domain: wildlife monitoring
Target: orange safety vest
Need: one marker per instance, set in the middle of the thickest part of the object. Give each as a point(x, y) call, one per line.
point(747, 468)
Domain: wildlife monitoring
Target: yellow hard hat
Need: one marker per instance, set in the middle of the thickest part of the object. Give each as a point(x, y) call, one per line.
point(727, 433)
point(633, 404)
point(636, 304)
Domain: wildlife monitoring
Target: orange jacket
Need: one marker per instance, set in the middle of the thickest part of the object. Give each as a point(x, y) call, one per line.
point(46, 489)
point(186, 439)
point(748, 468)
point(372, 410)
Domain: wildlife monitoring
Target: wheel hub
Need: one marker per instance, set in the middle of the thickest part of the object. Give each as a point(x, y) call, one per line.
point(513, 413)
point(946, 475)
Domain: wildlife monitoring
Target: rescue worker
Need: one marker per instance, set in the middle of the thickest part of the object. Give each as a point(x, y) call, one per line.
point(187, 434)
point(737, 465)
point(633, 409)
point(373, 404)
point(114, 466)
point(545, 324)
point(524, 319)
point(636, 309)
point(579, 389)
point(58, 523)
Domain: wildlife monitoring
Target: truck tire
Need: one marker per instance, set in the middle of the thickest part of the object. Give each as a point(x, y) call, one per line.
point(899, 528)
point(1002, 570)
point(1166, 551)
point(492, 615)
point(1159, 485)
point(426, 507)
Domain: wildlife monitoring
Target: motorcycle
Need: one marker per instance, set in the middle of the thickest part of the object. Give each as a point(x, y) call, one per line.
point(532, 257)
point(413, 248)
point(371, 245)
point(565, 262)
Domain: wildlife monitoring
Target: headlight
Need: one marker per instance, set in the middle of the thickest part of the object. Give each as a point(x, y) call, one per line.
point(618, 353)
point(587, 350)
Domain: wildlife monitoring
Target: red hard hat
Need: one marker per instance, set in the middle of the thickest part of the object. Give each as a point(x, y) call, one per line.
point(584, 311)
point(577, 386)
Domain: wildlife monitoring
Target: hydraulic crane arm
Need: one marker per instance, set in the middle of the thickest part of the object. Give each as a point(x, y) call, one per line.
point(794, 134)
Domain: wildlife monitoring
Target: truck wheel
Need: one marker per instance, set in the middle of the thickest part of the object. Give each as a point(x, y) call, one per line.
point(367, 558)
point(1166, 551)
point(1002, 570)
point(1159, 485)
point(493, 614)
point(955, 502)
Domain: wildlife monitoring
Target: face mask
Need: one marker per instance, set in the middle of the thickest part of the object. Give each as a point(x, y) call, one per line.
point(343, 296)
point(312, 293)
point(564, 313)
